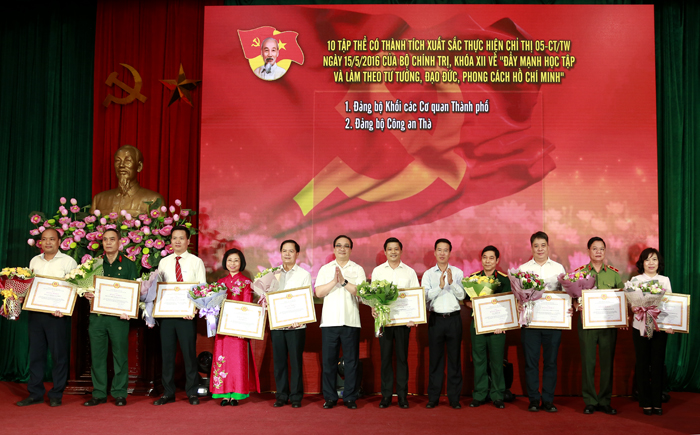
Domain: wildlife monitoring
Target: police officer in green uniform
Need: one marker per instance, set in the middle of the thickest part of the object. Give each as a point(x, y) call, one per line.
point(607, 277)
point(103, 329)
point(495, 343)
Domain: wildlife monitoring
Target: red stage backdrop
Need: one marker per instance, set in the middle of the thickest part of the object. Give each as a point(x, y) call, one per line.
point(479, 123)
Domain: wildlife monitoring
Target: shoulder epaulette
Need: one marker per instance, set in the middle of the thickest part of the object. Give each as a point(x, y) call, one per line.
point(501, 273)
point(580, 268)
point(475, 273)
point(610, 267)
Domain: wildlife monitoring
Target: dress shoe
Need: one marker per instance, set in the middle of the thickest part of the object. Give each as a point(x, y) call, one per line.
point(549, 407)
point(476, 403)
point(499, 404)
point(533, 406)
point(657, 411)
point(120, 401)
point(589, 409)
point(403, 403)
point(350, 404)
point(194, 400)
point(431, 404)
point(385, 402)
point(233, 402)
point(330, 404)
point(95, 402)
point(296, 404)
point(225, 402)
point(29, 401)
point(456, 405)
point(647, 411)
point(163, 400)
point(607, 409)
point(279, 403)
point(55, 402)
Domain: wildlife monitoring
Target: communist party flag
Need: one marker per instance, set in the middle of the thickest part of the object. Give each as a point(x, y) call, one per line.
point(251, 42)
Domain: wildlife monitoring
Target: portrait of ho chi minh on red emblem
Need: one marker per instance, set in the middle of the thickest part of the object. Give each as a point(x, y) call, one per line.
point(270, 52)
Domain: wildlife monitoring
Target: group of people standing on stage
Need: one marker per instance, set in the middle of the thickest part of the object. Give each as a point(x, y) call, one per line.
point(234, 374)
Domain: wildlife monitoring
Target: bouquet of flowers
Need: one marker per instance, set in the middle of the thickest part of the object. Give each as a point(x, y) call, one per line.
point(575, 282)
point(149, 285)
point(145, 239)
point(266, 282)
point(379, 295)
point(208, 297)
point(645, 299)
point(82, 276)
point(15, 284)
point(527, 288)
point(477, 285)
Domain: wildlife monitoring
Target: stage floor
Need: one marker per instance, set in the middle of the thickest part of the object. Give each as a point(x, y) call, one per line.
point(256, 415)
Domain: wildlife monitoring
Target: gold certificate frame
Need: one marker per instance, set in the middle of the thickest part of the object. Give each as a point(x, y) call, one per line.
point(408, 307)
point(171, 300)
point(551, 311)
point(286, 307)
point(497, 311)
point(48, 295)
point(114, 295)
point(603, 309)
point(242, 319)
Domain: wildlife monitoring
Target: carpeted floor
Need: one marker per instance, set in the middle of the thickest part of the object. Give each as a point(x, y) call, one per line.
point(256, 415)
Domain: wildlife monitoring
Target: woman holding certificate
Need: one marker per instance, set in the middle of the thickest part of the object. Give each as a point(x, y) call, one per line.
point(650, 351)
point(232, 379)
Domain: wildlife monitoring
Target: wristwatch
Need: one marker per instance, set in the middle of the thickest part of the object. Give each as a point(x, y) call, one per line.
point(344, 284)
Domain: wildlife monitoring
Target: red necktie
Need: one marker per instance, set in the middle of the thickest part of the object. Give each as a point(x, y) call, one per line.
point(178, 269)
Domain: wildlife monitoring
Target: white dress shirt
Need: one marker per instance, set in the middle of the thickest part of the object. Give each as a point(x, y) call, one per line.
point(340, 308)
point(663, 281)
point(58, 267)
point(443, 300)
point(548, 272)
point(192, 268)
point(403, 276)
point(295, 278)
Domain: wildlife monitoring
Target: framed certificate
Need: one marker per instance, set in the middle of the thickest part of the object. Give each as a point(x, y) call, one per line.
point(114, 296)
point(286, 307)
point(551, 311)
point(48, 295)
point(408, 307)
point(675, 313)
point(242, 319)
point(172, 301)
point(494, 312)
point(604, 309)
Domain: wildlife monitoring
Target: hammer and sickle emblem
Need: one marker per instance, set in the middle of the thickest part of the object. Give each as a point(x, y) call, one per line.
point(256, 42)
point(443, 163)
point(134, 93)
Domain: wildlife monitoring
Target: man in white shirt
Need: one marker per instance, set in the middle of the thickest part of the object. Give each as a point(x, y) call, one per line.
point(396, 272)
point(443, 289)
point(49, 331)
point(547, 340)
point(336, 284)
point(290, 342)
point(180, 266)
point(270, 70)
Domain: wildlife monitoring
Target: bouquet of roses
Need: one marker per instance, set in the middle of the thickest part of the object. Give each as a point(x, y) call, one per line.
point(379, 295)
point(477, 285)
point(575, 282)
point(149, 287)
point(208, 297)
point(266, 282)
point(527, 288)
point(645, 299)
point(82, 276)
point(15, 284)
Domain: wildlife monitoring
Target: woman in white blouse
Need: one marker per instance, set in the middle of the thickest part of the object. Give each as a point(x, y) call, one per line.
point(650, 352)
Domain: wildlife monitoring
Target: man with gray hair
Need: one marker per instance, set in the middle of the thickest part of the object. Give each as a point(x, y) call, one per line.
point(270, 70)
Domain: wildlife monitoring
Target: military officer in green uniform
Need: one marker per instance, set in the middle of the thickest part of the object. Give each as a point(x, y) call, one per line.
point(607, 277)
point(494, 343)
point(103, 329)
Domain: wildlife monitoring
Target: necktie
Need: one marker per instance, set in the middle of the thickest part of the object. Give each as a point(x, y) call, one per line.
point(178, 269)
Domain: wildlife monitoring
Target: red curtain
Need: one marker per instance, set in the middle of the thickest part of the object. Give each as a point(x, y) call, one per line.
point(153, 37)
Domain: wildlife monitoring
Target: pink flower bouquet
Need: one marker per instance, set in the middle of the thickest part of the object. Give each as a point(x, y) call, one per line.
point(527, 288)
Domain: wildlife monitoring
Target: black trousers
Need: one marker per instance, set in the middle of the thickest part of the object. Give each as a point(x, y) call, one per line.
point(47, 332)
point(184, 331)
point(533, 340)
point(650, 367)
point(398, 335)
point(445, 332)
point(288, 343)
point(332, 339)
